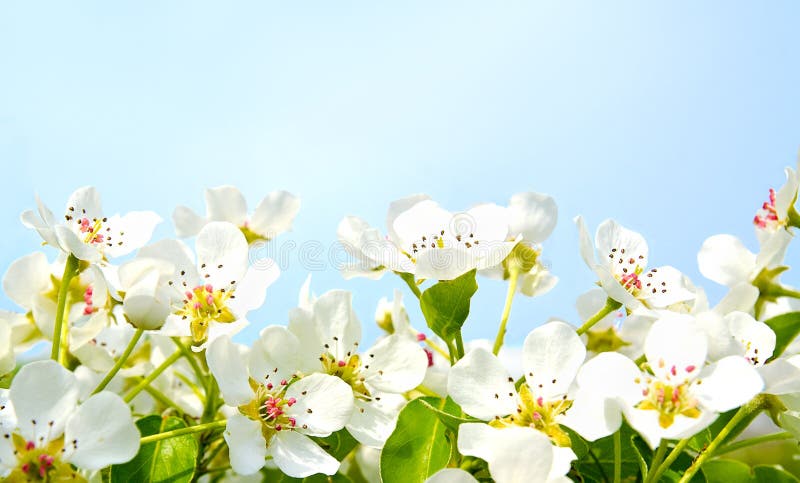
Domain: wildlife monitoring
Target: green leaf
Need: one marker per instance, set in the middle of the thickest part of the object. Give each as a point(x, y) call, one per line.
point(446, 305)
point(773, 474)
point(167, 461)
point(786, 327)
point(598, 462)
point(338, 444)
point(450, 415)
point(274, 475)
point(727, 471)
point(418, 447)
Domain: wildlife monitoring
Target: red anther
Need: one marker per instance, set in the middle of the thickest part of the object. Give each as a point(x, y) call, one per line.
point(283, 382)
point(269, 385)
point(645, 392)
point(341, 363)
point(673, 370)
point(540, 401)
point(430, 356)
point(690, 368)
point(89, 291)
point(421, 337)
point(209, 288)
point(198, 305)
point(210, 300)
point(26, 467)
point(278, 427)
point(536, 416)
point(293, 422)
point(291, 401)
point(42, 471)
point(660, 396)
point(30, 445)
point(189, 295)
point(88, 310)
point(675, 395)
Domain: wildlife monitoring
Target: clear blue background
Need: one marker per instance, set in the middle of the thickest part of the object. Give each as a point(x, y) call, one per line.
point(673, 117)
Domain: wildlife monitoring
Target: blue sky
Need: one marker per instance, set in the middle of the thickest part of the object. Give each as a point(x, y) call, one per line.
point(674, 118)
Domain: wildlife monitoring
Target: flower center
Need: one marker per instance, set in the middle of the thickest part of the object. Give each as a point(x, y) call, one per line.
point(767, 215)
point(203, 305)
point(441, 239)
point(41, 463)
point(349, 371)
point(269, 406)
point(669, 399)
point(91, 230)
point(539, 414)
point(250, 235)
point(605, 340)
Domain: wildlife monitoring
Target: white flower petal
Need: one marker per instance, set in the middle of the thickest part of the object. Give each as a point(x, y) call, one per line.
point(298, 456)
point(324, 404)
point(482, 386)
point(490, 221)
point(101, 433)
point(226, 203)
point(228, 363)
point(780, 377)
point(665, 287)
point(221, 254)
point(129, 232)
point(728, 384)
point(551, 357)
point(593, 416)
point(70, 242)
point(756, 338)
point(614, 239)
point(44, 394)
point(725, 260)
point(395, 364)
point(85, 203)
point(676, 344)
point(275, 214)
point(247, 448)
point(533, 215)
point(398, 207)
point(251, 290)
point(336, 322)
point(372, 422)
point(451, 475)
point(611, 375)
point(274, 356)
point(187, 222)
point(26, 278)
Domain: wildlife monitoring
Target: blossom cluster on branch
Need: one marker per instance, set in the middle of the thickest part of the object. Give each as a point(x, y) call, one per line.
point(144, 383)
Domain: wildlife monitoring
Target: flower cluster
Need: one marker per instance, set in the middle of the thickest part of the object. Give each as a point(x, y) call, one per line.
point(144, 381)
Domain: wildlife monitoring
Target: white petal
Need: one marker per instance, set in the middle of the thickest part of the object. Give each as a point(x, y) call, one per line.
point(490, 221)
point(396, 364)
point(423, 218)
point(187, 222)
point(247, 448)
point(728, 384)
point(373, 421)
point(26, 278)
point(773, 249)
point(337, 322)
point(298, 456)
point(725, 260)
point(85, 203)
point(70, 242)
point(514, 454)
point(451, 475)
point(252, 289)
point(551, 357)
point(742, 297)
point(482, 386)
point(325, 407)
point(780, 377)
point(400, 206)
point(103, 432)
point(756, 338)
point(228, 363)
point(145, 305)
point(129, 232)
point(611, 375)
point(534, 215)
point(226, 203)
point(221, 254)
point(43, 222)
point(447, 263)
point(43, 392)
point(665, 287)
point(7, 358)
point(614, 239)
point(275, 214)
point(274, 356)
point(591, 302)
point(646, 423)
point(676, 344)
point(592, 416)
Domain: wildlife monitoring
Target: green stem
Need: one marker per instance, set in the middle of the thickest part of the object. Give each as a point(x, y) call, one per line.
point(657, 459)
point(512, 289)
point(210, 409)
point(673, 455)
point(610, 306)
point(70, 270)
point(162, 398)
point(182, 431)
point(754, 441)
point(618, 457)
point(190, 358)
point(408, 278)
point(754, 405)
point(452, 351)
point(152, 376)
point(118, 365)
point(459, 345)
